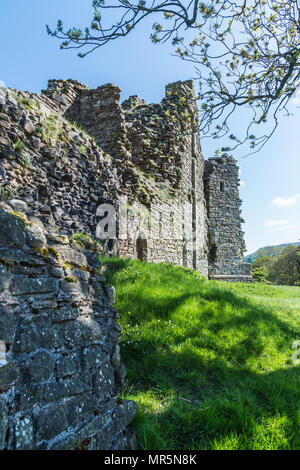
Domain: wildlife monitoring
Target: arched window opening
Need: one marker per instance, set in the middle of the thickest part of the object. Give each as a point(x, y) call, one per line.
point(141, 249)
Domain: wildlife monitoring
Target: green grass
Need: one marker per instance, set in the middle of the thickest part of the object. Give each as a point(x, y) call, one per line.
point(27, 102)
point(209, 363)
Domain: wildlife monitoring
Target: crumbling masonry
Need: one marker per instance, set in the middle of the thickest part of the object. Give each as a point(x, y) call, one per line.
point(63, 154)
point(156, 153)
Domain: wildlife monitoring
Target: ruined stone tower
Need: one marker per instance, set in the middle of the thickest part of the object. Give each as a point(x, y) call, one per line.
point(225, 236)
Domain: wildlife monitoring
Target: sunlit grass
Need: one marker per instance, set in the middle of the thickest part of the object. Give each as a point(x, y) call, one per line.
point(209, 363)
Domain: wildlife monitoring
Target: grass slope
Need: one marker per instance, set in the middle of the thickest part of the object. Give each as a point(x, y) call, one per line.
point(209, 363)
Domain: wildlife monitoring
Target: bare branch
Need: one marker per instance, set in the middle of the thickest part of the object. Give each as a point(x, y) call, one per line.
point(246, 53)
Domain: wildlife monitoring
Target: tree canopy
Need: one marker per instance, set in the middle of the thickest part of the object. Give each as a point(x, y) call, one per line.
point(246, 54)
point(281, 269)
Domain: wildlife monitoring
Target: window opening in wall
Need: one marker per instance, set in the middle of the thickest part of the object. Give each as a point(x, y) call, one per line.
point(141, 249)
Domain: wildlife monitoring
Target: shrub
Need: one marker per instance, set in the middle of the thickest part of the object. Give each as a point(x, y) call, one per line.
point(260, 274)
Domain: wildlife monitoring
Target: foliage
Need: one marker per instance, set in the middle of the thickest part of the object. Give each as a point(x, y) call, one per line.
point(286, 268)
point(80, 236)
point(87, 241)
point(260, 274)
point(268, 251)
point(246, 53)
point(27, 102)
point(26, 160)
point(83, 150)
point(283, 269)
point(19, 146)
point(50, 127)
point(6, 194)
point(209, 363)
point(263, 262)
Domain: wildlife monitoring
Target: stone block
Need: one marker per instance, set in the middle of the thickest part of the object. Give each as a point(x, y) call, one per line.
point(8, 324)
point(37, 368)
point(71, 256)
point(3, 422)
point(50, 421)
point(18, 205)
point(80, 408)
point(93, 357)
point(103, 380)
point(12, 234)
point(5, 277)
point(64, 313)
point(8, 375)
point(23, 433)
point(41, 285)
point(32, 336)
point(76, 385)
point(35, 236)
point(29, 396)
point(67, 365)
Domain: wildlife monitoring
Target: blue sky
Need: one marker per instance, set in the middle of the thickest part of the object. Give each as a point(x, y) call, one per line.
point(28, 58)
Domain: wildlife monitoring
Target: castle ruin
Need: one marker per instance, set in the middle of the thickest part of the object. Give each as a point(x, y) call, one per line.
point(63, 154)
point(153, 157)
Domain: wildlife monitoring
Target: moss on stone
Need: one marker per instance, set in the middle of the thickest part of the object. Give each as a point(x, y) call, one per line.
point(21, 217)
point(67, 265)
point(44, 252)
point(55, 253)
point(7, 262)
point(71, 279)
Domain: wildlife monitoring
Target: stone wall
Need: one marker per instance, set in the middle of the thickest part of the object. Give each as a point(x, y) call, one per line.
point(156, 152)
point(166, 147)
point(99, 112)
point(60, 370)
point(81, 148)
point(225, 235)
point(52, 165)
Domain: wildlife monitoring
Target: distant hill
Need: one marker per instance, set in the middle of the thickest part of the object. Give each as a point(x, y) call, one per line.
point(268, 251)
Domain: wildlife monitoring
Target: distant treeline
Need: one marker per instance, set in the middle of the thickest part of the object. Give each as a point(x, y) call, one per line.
point(268, 251)
point(281, 269)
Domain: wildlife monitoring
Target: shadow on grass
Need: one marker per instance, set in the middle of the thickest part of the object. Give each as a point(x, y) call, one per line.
point(188, 402)
point(249, 411)
point(195, 390)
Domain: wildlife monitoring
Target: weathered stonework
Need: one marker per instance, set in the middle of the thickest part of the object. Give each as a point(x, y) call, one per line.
point(150, 154)
point(165, 144)
point(60, 372)
point(62, 154)
point(226, 238)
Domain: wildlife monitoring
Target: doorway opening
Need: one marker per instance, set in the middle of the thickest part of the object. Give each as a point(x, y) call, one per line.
point(141, 249)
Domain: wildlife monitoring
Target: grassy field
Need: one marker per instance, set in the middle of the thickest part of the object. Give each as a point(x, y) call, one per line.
point(209, 363)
